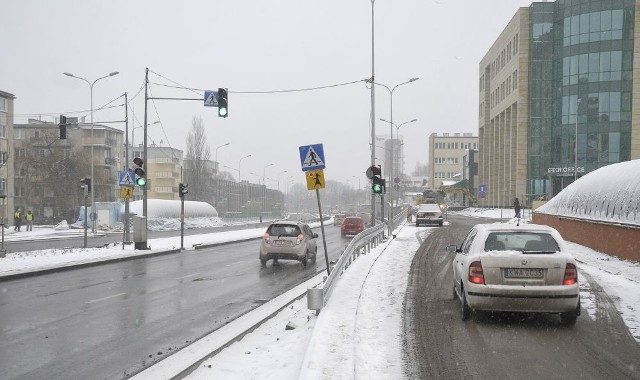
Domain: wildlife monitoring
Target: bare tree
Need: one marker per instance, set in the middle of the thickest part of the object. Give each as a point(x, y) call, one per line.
point(198, 165)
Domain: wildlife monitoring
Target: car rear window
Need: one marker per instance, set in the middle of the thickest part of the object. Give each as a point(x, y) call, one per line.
point(283, 230)
point(353, 221)
point(521, 241)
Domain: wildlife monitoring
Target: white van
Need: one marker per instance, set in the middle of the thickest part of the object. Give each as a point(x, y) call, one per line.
point(429, 214)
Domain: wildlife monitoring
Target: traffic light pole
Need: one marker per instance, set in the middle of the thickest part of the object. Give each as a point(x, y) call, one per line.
point(85, 216)
point(181, 222)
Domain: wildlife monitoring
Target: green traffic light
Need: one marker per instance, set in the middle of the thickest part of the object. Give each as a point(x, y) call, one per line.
point(377, 189)
point(141, 181)
point(222, 112)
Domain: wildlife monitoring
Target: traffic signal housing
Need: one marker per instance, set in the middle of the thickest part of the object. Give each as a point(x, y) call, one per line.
point(86, 185)
point(182, 189)
point(377, 182)
point(141, 179)
point(63, 127)
point(223, 103)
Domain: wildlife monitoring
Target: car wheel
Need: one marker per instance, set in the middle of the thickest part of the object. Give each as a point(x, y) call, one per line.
point(263, 263)
point(569, 319)
point(466, 310)
point(441, 224)
point(455, 295)
point(305, 259)
point(313, 259)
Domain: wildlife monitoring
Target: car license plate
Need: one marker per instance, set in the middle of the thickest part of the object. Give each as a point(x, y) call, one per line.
point(523, 273)
point(281, 243)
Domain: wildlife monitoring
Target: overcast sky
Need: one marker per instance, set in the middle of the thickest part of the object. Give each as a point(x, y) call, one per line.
point(258, 46)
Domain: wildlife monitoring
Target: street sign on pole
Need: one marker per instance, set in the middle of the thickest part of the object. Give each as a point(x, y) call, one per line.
point(312, 157)
point(211, 98)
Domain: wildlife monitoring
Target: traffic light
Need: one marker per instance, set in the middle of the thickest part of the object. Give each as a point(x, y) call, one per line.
point(377, 183)
point(182, 189)
point(223, 110)
point(63, 127)
point(86, 185)
point(141, 180)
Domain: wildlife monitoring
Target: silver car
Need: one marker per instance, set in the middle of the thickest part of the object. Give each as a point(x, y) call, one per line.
point(526, 268)
point(288, 240)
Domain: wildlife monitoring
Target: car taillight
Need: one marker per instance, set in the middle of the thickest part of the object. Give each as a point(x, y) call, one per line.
point(266, 236)
point(476, 275)
point(570, 274)
point(300, 239)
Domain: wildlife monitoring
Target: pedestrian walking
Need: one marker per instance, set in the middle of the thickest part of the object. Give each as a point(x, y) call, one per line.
point(516, 207)
point(29, 219)
point(17, 218)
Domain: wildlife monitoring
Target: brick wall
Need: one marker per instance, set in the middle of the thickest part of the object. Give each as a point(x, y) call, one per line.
point(616, 240)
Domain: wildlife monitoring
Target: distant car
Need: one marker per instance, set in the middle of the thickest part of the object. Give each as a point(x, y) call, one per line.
point(352, 225)
point(526, 268)
point(338, 219)
point(429, 214)
point(288, 240)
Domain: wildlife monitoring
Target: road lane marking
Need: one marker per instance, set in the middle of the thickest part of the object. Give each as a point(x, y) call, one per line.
point(106, 298)
point(189, 275)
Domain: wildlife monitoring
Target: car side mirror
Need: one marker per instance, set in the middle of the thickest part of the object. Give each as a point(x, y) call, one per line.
point(315, 235)
point(452, 249)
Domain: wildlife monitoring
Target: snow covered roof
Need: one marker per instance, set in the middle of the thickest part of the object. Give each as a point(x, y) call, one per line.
point(609, 194)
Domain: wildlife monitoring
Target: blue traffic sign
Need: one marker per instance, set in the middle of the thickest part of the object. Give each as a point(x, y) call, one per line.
point(127, 178)
point(312, 157)
point(211, 98)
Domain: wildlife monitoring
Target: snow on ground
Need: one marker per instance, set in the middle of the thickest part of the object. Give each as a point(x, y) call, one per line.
point(373, 286)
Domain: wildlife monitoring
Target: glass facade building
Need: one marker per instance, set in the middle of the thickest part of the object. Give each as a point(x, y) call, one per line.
point(580, 89)
point(557, 98)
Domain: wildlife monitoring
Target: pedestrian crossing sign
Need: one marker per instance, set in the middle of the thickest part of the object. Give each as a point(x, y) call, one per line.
point(126, 178)
point(312, 157)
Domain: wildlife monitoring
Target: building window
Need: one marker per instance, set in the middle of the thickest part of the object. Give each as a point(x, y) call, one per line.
point(3, 104)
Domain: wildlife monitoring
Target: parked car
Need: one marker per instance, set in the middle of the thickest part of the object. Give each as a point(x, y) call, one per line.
point(338, 219)
point(288, 240)
point(526, 268)
point(352, 225)
point(429, 214)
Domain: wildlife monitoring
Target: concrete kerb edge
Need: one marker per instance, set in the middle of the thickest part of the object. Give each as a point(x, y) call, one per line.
point(13, 276)
point(179, 358)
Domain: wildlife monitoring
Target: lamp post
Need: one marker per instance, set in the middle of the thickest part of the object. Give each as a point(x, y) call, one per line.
point(93, 180)
point(395, 168)
point(575, 166)
point(239, 162)
point(391, 90)
point(279, 178)
point(373, 113)
point(229, 167)
point(264, 173)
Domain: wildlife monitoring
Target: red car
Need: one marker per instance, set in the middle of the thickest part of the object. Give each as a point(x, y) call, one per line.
point(352, 225)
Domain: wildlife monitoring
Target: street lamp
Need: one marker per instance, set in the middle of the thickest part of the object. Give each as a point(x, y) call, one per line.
point(239, 162)
point(575, 166)
point(279, 178)
point(391, 126)
point(397, 151)
point(264, 173)
point(229, 167)
point(93, 186)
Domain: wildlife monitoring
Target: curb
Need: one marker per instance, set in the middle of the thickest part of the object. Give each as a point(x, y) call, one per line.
point(188, 359)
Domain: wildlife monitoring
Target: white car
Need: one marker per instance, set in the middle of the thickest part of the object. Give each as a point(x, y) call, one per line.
point(429, 214)
point(526, 268)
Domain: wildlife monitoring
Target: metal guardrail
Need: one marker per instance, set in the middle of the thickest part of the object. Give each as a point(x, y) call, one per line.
point(360, 244)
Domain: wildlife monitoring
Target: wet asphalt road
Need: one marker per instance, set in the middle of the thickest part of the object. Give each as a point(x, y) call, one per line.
point(113, 320)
